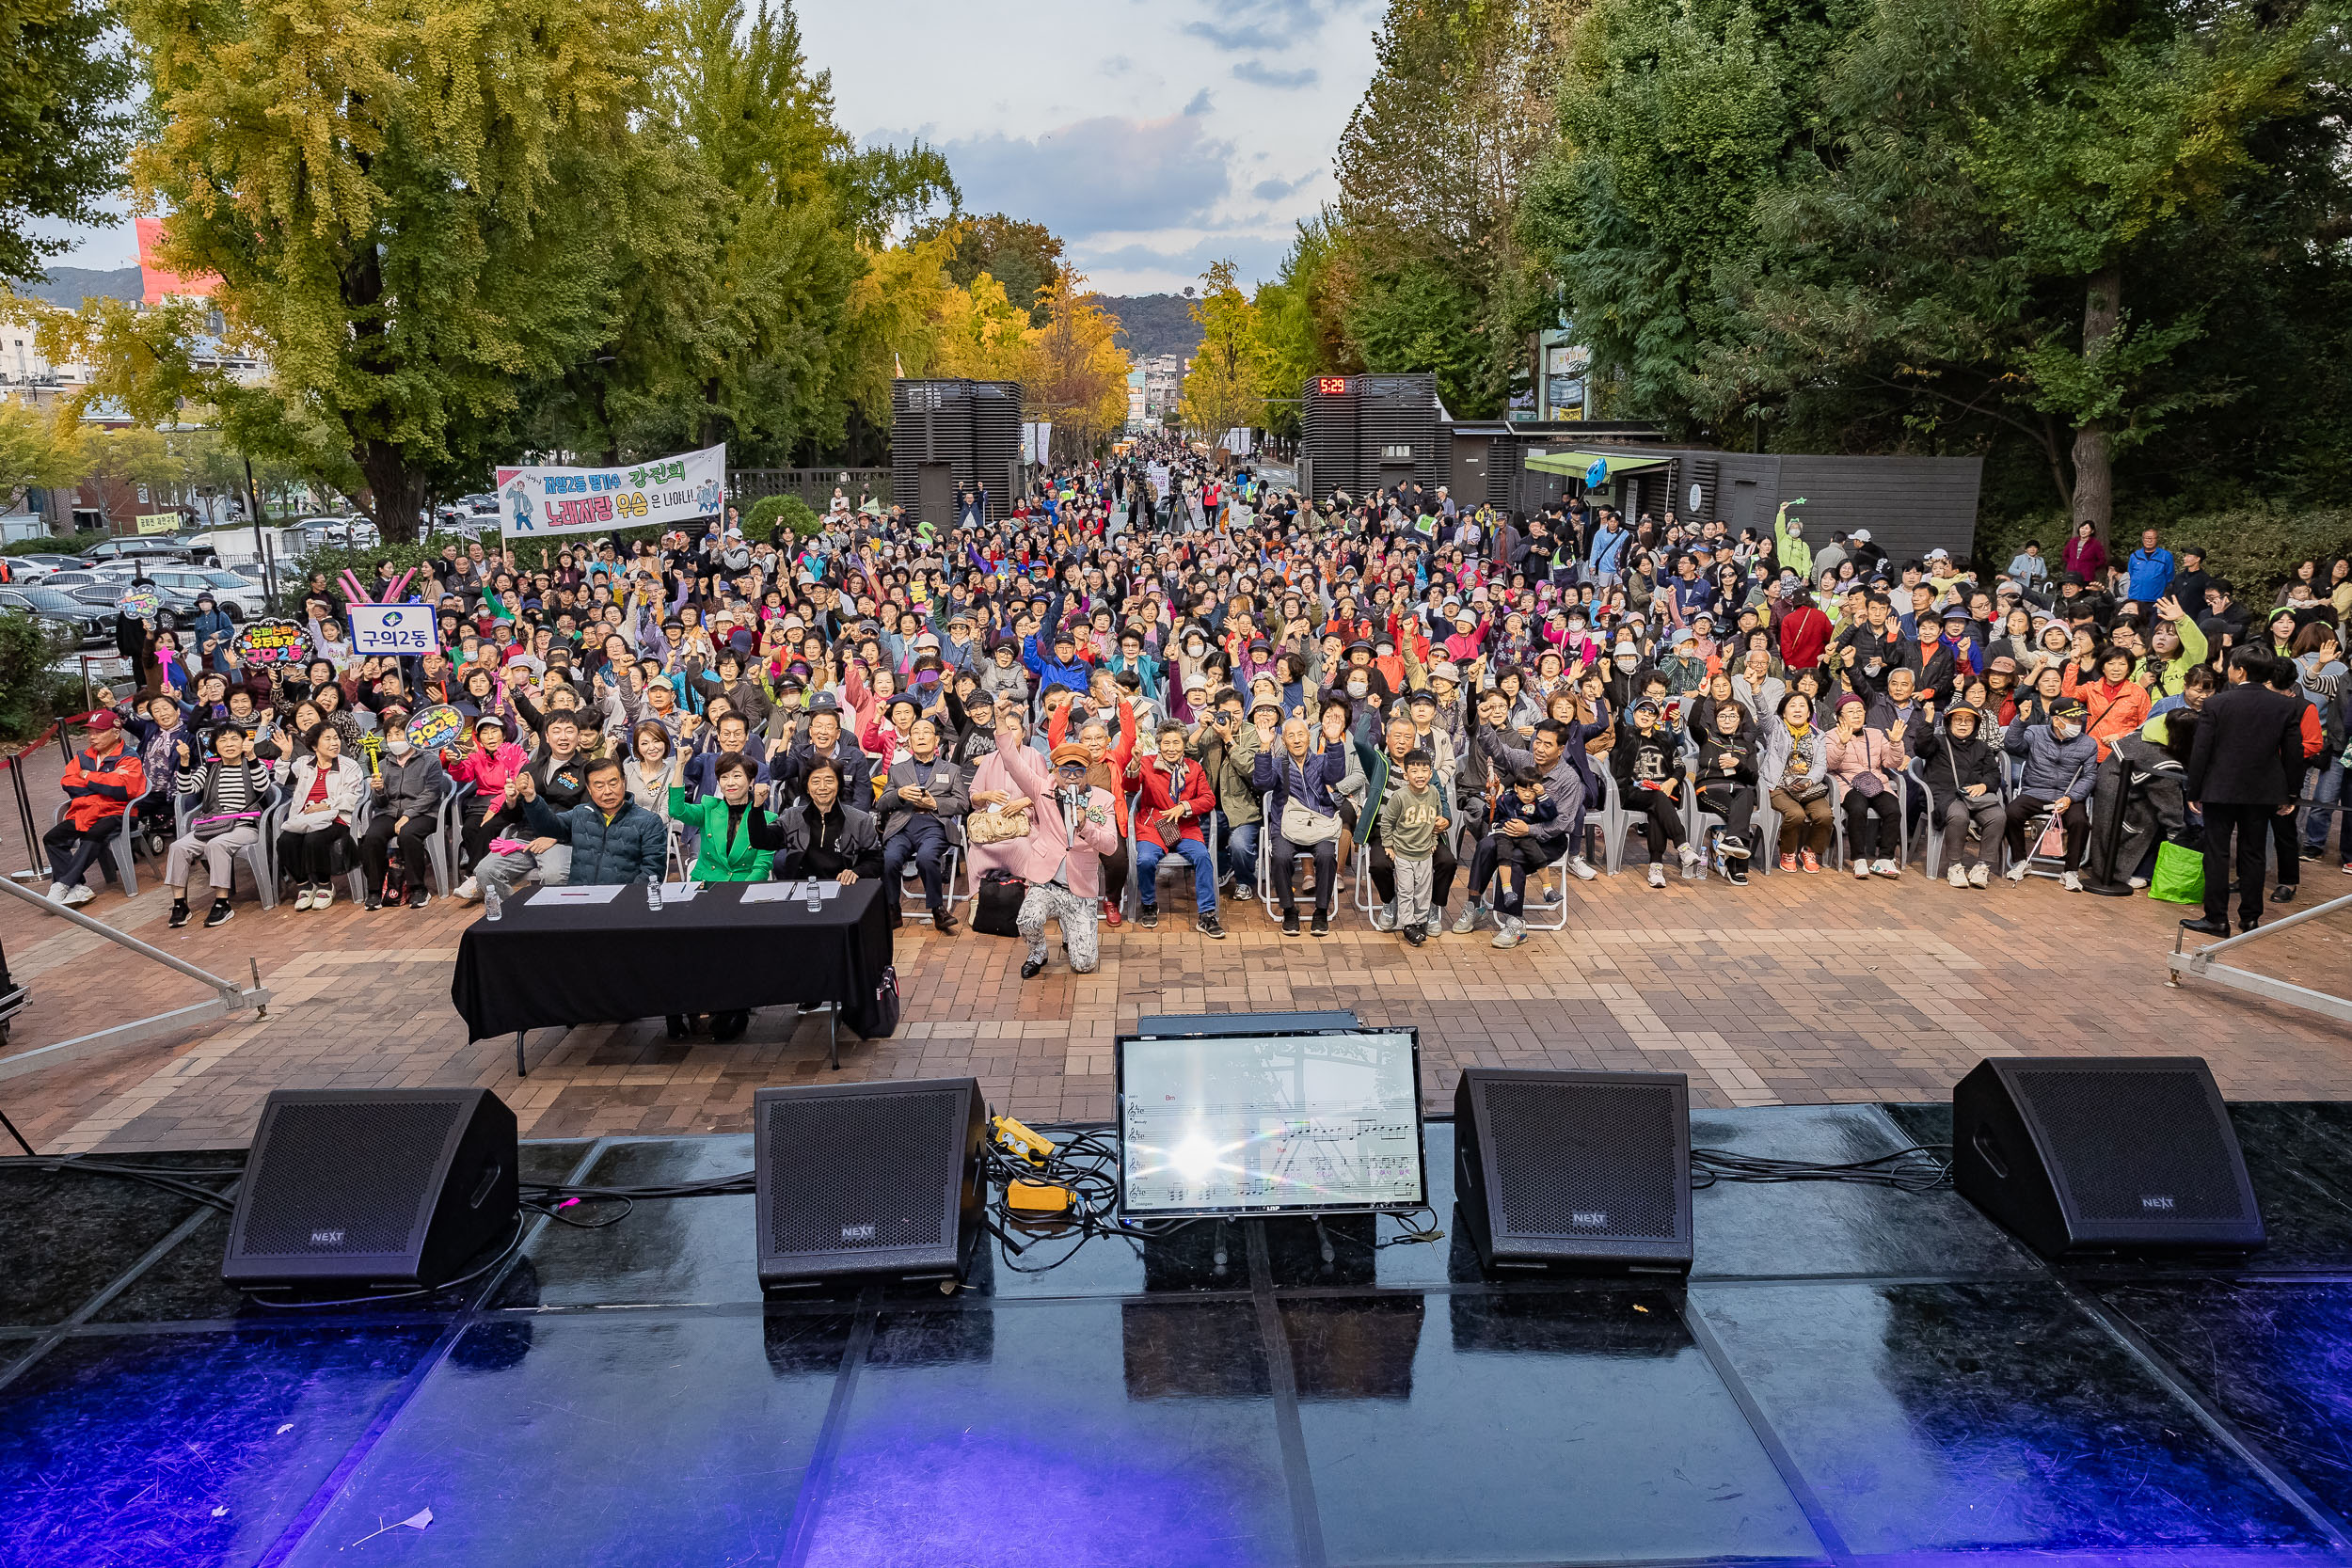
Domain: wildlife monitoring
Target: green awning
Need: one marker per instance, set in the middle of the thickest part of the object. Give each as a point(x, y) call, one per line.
point(1579, 465)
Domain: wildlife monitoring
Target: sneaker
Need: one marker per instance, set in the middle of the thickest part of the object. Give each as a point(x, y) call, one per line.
point(1384, 918)
point(1436, 923)
point(1149, 919)
point(1582, 868)
point(80, 892)
point(1885, 868)
point(1290, 922)
point(2016, 873)
point(302, 899)
point(1787, 863)
point(325, 896)
point(1956, 877)
point(2313, 851)
point(1208, 925)
point(419, 896)
point(1689, 856)
point(1979, 874)
point(179, 913)
point(373, 902)
point(1547, 897)
point(1737, 873)
point(1735, 848)
point(1513, 932)
point(469, 890)
point(1111, 916)
point(2138, 883)
point(1467, 920)
point(2070, 882)
point(1812, 863)
point(1862, 870)
point(1321, 926)
point(221, 912)
point(1657, 874)
point(57, 890)
point(1415, 936)
point(1244, 895)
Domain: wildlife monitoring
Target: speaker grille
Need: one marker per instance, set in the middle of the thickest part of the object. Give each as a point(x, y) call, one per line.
point(2134, 1145)
point(357, 1171)
point(1583, 1160)
point(854, 1173)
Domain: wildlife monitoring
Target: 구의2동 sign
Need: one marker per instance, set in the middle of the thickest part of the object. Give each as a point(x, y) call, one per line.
point(392, 628)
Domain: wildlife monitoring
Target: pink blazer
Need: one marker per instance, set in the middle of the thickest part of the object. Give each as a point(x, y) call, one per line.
point(1041, 851)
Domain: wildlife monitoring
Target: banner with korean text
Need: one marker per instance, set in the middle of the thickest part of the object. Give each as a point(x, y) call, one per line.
point(684, 491)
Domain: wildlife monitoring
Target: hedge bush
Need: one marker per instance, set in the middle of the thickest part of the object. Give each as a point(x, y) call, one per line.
point(53, 543)
point(792, 511)
point(31, 693)
point(2253, 548)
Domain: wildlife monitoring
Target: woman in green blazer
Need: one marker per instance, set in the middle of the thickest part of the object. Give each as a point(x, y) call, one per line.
point(738, 838)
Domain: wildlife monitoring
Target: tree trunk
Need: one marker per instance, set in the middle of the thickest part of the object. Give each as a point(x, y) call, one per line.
point(2094, 475)
point(397, 491)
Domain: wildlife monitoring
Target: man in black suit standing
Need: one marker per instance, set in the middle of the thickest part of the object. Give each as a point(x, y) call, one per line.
point(2242, 771)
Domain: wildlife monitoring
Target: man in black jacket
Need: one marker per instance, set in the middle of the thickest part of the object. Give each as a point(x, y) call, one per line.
point(2241, 772)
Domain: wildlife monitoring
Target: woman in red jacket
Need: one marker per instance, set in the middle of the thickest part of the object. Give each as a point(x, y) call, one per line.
point(1172, 798)
point(2085, 554)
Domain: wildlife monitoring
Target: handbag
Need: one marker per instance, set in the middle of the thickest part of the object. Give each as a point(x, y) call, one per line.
point(2180, 877)
point(997, 826)
point(1304, 827)
point(886, 1005)
point(996, 910)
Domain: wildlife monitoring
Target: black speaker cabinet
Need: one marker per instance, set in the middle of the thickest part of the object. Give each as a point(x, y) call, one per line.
point(868, 1179)
point(373, 1189)
point(2078, 1156)
point(1581, 1171)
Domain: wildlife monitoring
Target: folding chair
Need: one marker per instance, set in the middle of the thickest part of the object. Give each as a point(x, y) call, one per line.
point(255, 855)
point(117, 857)
point(1267, 893)
point(1616, 823)
point(1766, 855)
point(911, 882)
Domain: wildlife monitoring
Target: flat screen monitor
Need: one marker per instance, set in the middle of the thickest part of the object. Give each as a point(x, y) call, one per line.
point(1276, 1123)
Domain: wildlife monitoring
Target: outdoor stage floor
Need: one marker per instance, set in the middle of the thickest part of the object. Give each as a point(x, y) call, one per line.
point(1852, 1373)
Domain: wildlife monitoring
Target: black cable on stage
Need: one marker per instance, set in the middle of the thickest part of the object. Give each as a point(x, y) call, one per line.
point(1916, 1169)
point(504, 1254)
point(166, 1178)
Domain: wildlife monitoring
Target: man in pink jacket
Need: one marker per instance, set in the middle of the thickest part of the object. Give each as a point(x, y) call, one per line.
point(1071, 829)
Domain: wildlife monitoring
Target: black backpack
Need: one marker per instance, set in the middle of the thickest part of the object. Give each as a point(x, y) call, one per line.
point(996, 911)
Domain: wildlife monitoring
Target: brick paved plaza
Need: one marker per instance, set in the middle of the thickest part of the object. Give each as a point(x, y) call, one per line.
point(1793, 989)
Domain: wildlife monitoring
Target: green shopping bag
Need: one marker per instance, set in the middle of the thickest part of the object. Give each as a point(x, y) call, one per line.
point(2179, 873)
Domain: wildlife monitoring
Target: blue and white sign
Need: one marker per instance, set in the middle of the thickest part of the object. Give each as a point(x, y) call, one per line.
point(378, 629)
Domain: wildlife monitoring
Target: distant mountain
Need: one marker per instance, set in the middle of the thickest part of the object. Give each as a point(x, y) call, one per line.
point(1153, 325)
point(69, 286)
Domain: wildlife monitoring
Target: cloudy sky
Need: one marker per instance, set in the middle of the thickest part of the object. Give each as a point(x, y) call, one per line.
point(1156, 136)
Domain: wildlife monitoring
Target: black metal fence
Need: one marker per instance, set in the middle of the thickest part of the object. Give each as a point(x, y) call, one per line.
point(813, 486)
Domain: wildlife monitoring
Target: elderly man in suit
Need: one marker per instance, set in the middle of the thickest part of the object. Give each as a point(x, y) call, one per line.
point(2242, 771)
point(1071, 829)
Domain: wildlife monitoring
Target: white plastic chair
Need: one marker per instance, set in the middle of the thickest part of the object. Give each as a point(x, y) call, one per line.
point(950, 869)
point(118, 858)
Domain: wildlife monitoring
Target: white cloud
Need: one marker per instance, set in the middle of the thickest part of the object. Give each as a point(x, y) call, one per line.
point(1265, 75)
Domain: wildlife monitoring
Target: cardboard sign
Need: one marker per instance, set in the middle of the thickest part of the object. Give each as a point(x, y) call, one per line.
point(268, 643)
point(141, 602)
point(394, 628)
point(435, 727)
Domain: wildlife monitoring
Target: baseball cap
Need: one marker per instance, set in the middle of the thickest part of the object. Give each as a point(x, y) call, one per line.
point(100, 722)
point(824, 702)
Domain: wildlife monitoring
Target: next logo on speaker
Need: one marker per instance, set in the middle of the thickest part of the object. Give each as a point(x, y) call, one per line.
point(1589, 1219)
point(326, 1238)
point(857, 1233)
point(2160, 1200)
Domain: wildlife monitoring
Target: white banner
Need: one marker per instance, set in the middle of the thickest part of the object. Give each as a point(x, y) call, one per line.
point(682, 491)
point(394, 628)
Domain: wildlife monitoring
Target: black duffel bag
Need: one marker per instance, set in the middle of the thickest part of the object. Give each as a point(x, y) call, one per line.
point(996, 911)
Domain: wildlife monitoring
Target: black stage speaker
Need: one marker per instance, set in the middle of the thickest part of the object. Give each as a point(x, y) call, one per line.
point(2078, 1156)
point(868, 1179)
point(1586, 1171)
point(372, 1188)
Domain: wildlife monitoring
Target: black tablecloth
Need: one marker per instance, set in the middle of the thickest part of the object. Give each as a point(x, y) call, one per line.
point(548, 964)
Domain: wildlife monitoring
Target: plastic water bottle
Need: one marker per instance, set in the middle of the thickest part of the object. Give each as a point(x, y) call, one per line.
point(493, 907)
point(653, 890)
point(816, 896)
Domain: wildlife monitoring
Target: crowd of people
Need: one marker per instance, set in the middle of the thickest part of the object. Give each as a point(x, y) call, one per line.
point(1157, 659)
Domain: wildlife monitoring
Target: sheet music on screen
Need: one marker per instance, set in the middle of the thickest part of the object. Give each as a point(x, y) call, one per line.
point(1270, 1122)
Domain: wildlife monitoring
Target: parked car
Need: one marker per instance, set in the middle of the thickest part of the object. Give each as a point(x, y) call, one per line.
point(33, 568)
point(239, 597)
point(88, 627)
point(149, 548)
point(178, 609)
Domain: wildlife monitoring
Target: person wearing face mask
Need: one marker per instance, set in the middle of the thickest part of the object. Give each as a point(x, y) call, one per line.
point(2060, 755)
point(408, 788)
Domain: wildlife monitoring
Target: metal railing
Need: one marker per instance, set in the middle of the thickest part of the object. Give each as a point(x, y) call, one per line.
point(228, 1000)
point(2199, 965)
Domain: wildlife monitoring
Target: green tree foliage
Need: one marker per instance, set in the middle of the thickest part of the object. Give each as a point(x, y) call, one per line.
point(1301, 328)
point(1225, 388)
point(794, 513)
point(1024, 257)
point(63, 127)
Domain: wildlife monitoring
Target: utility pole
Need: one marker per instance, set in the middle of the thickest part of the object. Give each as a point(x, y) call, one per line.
point(260, 545)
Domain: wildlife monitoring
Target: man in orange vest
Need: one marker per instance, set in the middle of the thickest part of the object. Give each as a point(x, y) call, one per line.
point(101, 782)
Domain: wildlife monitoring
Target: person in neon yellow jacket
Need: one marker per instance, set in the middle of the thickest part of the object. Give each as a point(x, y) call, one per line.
point(1788, 542)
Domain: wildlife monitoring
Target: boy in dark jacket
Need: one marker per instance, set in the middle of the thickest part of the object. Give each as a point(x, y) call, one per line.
point(1524, 802)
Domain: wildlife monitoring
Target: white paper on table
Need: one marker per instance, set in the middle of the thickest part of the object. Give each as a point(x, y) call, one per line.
point(788, 893)
point(595, 893)
point(679, 893)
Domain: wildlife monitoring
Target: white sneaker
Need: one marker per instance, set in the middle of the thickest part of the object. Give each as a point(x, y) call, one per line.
point(1436, 923)
point(1886, 868)
point(323, 897)
point(1956, 877)
point(2138, 882)
point(79, 893)
point(56, 893)
point(2070, 882)
point(303, 899)
point(2016, 873)
point(1513, 932)
point(1467, 920)
point(1384, 918)
point(469, 890)
point(1689, 856)
point(1582, 868)
point(1979, 874)
point(1657, 875)
point(1862, 871)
